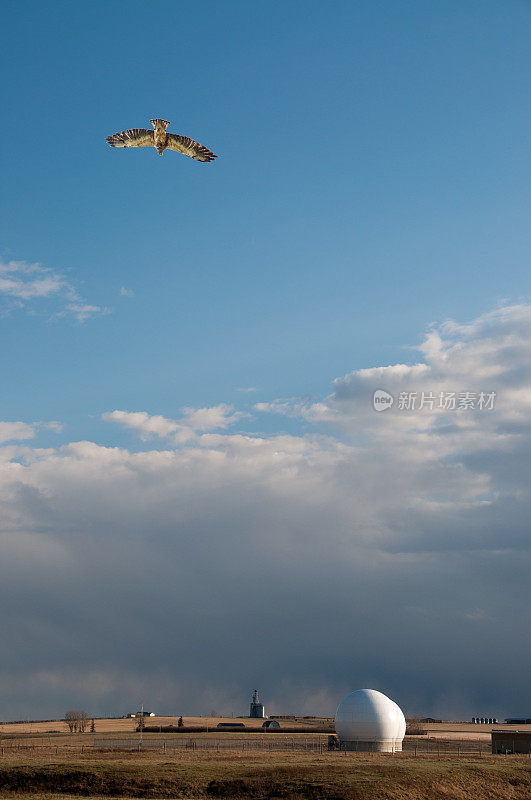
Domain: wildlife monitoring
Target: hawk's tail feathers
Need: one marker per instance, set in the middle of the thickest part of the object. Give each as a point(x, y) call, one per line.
point(159, 123)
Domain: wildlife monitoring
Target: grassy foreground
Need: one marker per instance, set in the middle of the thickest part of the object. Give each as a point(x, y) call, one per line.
point(345, 776)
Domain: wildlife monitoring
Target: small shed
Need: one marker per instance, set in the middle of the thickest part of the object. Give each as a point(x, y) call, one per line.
point(271, 724)
point(511, 742)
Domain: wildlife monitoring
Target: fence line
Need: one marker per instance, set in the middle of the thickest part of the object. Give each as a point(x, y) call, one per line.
point(441, 747)
point(314, 745)
point(277, 743)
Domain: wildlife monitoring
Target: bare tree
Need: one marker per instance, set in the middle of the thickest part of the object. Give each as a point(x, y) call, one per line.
point(180, 724)
point(92, 726)
point(82, 721)
point(71, 720)
point(414, 726)
point(77, 721)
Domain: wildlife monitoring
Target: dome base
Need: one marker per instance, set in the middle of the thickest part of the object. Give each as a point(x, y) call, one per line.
point(372, 747)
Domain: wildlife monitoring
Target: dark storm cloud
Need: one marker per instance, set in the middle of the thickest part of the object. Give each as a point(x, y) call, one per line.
point(305, 565)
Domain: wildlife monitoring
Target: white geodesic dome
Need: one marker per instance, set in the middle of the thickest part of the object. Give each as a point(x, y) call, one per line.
point(369, 720)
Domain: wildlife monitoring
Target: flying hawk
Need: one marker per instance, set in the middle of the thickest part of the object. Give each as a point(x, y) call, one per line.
point(158, 138)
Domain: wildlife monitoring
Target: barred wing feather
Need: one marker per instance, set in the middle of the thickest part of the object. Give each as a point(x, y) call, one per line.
point(134, 137)
point(187, 146)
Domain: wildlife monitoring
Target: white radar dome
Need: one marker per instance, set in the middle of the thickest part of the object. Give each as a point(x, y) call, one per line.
point(368, 720)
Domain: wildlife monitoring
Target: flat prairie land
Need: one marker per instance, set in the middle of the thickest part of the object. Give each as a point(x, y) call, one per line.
point(466, 730)
point(128, 724)
point(47, 773)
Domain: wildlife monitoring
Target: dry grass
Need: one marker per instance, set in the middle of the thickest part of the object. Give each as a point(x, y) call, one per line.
point(436, 730)
point(128, 725)
point(42, 761)
point(45, 774)
point(466, 730)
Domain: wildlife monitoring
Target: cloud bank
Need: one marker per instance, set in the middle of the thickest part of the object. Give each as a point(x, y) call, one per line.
point(386, 549)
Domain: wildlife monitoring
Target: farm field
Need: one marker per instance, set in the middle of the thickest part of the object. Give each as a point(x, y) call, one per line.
point(53, 772)
point(128, 725)
point(466, 730)
point(456, 731)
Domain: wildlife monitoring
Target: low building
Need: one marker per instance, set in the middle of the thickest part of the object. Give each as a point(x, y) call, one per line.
point(511, 742)
point(271, 724)
point(230, 725)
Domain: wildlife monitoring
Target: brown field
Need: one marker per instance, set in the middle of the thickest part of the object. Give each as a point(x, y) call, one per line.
point(45, 773)
point(436, 730)
point(466, 730)
point(129, 725)
point(43, 762)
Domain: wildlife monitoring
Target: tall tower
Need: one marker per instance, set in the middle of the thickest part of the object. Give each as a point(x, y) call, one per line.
point(257, 708)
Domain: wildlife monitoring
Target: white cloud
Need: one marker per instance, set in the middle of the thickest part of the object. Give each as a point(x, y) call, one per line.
point(146, 425)
point(21, 284)
point(14, 431)
point(26, 281)
point(490, 355)
point(84, 311)
point(211, 418)
point(286, 408)
point(194, 420)
point(124, 292)
point(55, 426)
point(398, 533)
point(19, 431)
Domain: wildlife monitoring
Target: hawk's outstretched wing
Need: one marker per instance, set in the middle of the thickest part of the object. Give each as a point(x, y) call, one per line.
point(187, 146)
point(135, 137)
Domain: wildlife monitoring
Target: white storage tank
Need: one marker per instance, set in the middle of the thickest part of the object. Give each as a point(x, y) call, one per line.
point(369, 720)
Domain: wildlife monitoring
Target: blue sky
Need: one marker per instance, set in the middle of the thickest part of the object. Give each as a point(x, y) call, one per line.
point(372, 185)
point(373, 178)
